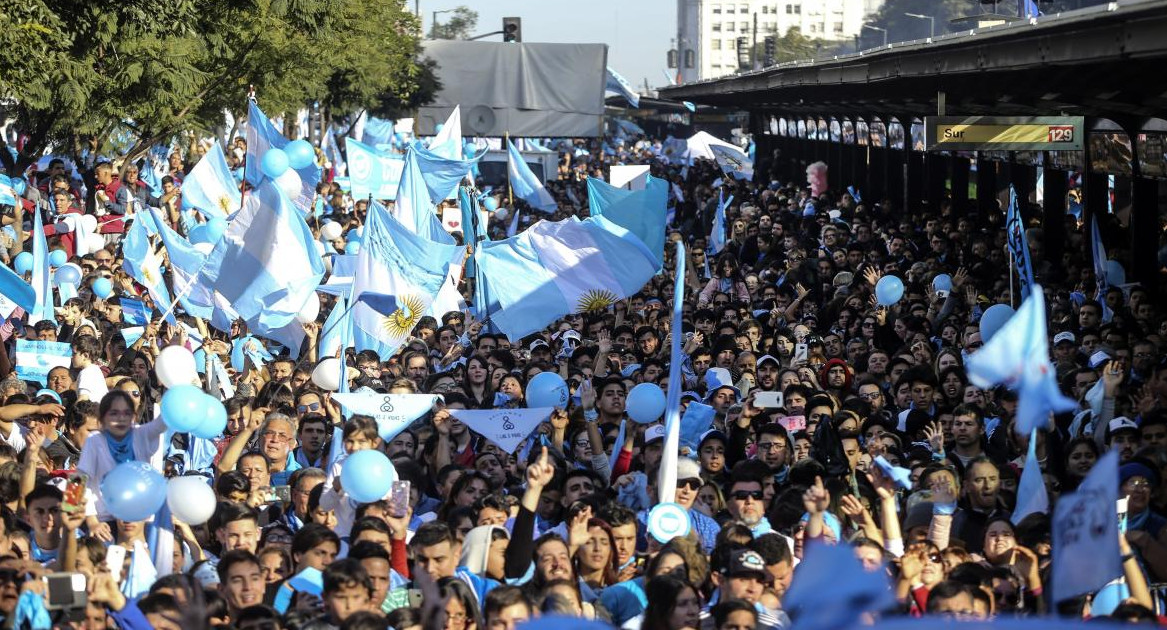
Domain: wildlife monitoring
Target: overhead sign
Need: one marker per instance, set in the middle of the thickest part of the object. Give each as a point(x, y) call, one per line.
point(1004, 133)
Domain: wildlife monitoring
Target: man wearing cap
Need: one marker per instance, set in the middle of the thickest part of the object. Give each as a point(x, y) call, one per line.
point(741, 574)
point(540, 351)
point(721, 393)
point(689, 482)
point(768, 369)
point(1065, 349)
point(1122, 434)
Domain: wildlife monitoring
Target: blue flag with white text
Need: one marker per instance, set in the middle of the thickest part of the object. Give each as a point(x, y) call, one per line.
point(1018, 244)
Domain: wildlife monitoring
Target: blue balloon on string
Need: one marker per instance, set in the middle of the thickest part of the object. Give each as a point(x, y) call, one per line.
point(58, 257)
point(942, 282)
point(547, 389)
point(490, 204)
point(102, 288)
point(300, 154)
point(646, 403)
point(273, 163)
point(367, 476)
point(22, 263)
point(133, 491)
point(993, 319)
point(889, 290)
point(67, 274)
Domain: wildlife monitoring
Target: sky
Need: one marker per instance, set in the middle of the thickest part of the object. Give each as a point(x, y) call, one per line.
point(638, 32)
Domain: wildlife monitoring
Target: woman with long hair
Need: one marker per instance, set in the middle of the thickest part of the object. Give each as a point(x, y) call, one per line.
point(477, 385)
point(595, 560)
point(673, 604)
point(727, 278)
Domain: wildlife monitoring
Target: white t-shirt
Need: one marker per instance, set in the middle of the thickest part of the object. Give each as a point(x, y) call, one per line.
point(91, 383)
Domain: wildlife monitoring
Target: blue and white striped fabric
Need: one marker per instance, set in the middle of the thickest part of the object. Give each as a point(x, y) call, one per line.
point(414, 207)
point(441, 173)
point(642, 212)
point(372, 173)
point(7, 192)
point(448, 141)
point(265, 265)
point(717, 236)
point(210, 188)
point(553, 269)
point(524, 184)
point(135, 312)
point(34, 359)
point(261, 136)
point(619, 85)
point(144, 265)
point(41, 275)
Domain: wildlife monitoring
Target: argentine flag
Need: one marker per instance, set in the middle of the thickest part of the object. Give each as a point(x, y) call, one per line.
point(448, 141)
point(261, 136)
point(210, 188)
point(524, 184)
point(144, 265)
point(395, 261)
point(643, 212)
point(554, 269)
point(372, 173)
point(7, 192)
point(619, 85)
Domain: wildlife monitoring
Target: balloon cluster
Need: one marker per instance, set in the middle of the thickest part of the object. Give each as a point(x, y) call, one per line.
point(187, 409)
point(134, 491)
point(280, 165)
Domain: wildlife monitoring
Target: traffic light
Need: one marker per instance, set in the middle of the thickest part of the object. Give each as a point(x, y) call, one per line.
point(512, 29)
point(672, 58)
point(771, 48)
point(743, 53)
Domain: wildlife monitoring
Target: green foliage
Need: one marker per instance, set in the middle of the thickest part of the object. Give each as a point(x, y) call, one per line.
point(458, 25)
point(70, 70)
point(901, 27)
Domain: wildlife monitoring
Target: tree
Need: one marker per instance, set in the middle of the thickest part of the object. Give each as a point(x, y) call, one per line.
point(74, 71)
point(900, 27)
point(460, 26)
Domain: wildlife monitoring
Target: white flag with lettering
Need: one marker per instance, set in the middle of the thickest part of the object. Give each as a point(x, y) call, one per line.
point(505, 427)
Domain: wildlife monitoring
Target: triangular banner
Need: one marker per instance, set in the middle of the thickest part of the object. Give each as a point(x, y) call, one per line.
point(393, 412)
point(505, 427)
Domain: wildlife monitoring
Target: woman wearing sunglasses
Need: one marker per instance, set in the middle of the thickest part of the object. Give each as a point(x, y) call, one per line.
point(921, 568)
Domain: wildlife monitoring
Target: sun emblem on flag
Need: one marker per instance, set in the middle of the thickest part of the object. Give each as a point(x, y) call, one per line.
point(596, 300)
point(399, 323)
point(225, 204)
point(150, 273)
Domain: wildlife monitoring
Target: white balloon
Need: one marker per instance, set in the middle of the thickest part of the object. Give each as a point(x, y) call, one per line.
point(88, 223)
point(95, 242)
point(176, 366)
point(191, 499)
point(330, 231)
point(290, 183)
point(310, 311)
point(204, 248)
point(326, 376)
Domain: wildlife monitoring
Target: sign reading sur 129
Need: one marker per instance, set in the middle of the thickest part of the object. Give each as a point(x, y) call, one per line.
point(1004, 133)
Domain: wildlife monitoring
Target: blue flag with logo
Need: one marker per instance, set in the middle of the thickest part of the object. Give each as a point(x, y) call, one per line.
point(1018, 244)
point(372, 173)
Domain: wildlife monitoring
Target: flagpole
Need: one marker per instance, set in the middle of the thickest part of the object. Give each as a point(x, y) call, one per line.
point(1012, 270)
point(243, 186)
point(510, 196)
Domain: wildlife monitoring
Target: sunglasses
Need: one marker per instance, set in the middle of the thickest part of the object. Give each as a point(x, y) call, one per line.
point(742, 495)
point(13, 576)
point(692, 484)
point(306, 408)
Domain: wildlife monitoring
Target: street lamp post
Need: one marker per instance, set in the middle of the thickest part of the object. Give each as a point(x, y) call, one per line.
point(434, 22)
point(876, 28)
point(931, 22)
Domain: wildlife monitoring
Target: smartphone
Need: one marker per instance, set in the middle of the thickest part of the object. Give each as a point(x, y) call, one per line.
point(769, 400)
point(800, 352)
point(74, 499)
point(282, 494)
point(399, 499)
point(115, 559)
point(65, 591)
point(415, 598)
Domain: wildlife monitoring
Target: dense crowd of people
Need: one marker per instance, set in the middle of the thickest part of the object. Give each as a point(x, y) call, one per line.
point(809, 379)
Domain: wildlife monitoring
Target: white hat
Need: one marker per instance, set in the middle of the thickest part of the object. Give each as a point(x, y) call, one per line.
point(655, 432)
point(1122, 423)
point(1064, 336)
point(687, 469)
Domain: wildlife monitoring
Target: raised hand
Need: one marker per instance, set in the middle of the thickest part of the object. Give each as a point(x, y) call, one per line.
point(816, 499)
point(934, 433)
point(540, 473)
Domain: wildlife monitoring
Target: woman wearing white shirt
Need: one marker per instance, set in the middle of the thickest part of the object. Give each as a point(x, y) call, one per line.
point(118, 441)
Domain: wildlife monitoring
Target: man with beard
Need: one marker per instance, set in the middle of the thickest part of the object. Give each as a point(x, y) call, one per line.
point(768, 369)
point(1122, 435)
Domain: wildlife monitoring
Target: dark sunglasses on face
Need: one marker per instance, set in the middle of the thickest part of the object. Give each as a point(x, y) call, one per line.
point(306, 408)
point(742, 495)
point(692, 484)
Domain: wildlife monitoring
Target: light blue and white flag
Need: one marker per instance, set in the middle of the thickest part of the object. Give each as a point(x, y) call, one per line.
point(642, 212)
point(524, 184)
point(265, 265)
point(1098, 251)
point(16, 290)
point(440, 173)
point(209, 187)
point(554, 269)
point(376, 131)
point(414, 208)
point(131, 334)
point(1085, 533)
point(372, 173)
point(394, 260)
point(1017, 356)
point(185, 262)
point(1032, 497)
point(1018, 244)
point(41, 280)
point(142, 573)
point(34, 359)
point(144, 265)
point(505, 427)
point(619, 85)
point(135, 312)
point(448, 141)
point(393, 412)
point(261, 136)
point(7, 191)
point(733, 161)
point(336, 330)
point(667, 474)
point(717, 236)
point(160, 540)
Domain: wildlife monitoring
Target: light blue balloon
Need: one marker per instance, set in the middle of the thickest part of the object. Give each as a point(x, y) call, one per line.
point(889, 290)
point(214, 419)
point(646, 403)
point(22, 263)
point(367, 476)
point(1115, 274)
point(102, 288)
point(942, 282)
point(300, 154)
point(19, 186)
point(353, 235)
point(67, 274)
point(993, 319)
point(490, 204)
point(58, 257)
point(199, 234)
point(352, 247)
point(547, 389)
point(215, 229)
point(133, 491)
point(273, 163)
point(184, 407)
